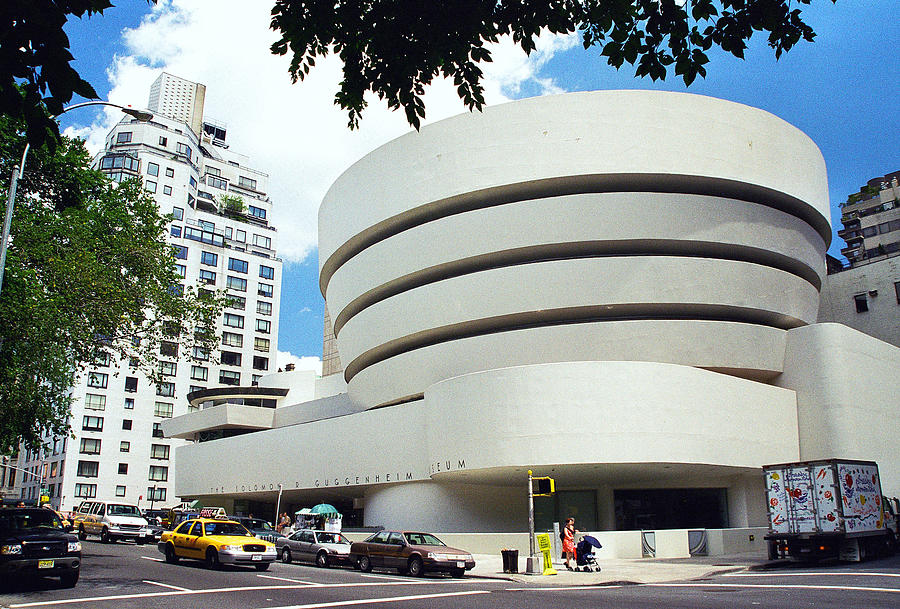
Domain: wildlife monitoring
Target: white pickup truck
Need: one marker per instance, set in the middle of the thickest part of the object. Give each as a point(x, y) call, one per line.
point(832, 508)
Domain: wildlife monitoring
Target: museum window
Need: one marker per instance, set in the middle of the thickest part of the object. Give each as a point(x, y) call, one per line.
point(862, 303)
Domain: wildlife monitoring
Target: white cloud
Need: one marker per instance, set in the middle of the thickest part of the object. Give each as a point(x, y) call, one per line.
point(294, 133)
point(301, 362)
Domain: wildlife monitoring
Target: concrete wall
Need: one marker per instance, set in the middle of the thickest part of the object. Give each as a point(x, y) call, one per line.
point(876, 282)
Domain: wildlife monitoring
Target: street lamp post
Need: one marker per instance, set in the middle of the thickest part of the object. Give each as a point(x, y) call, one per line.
point(141, 115)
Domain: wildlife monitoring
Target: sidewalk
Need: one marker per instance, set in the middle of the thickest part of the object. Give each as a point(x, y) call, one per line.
point(621, 570)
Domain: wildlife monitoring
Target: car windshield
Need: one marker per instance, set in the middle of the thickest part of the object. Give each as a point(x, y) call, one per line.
point(423, 539)
point(332, 538)
point(225, 528)
point(32, 519)
point(118, 509)
point(258, 523)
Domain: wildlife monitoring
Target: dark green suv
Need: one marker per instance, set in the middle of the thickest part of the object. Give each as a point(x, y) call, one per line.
point(33, 542)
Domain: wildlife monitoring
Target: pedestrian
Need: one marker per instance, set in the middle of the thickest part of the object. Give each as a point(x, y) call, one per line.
point(568, 541)
point(283, 521)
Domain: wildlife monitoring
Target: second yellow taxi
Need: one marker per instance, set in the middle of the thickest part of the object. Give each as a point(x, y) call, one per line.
point(217, 542)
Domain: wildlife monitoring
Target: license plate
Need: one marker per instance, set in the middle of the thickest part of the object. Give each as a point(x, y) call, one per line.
point(45, 564)
point(256, 557)
point(460, 564)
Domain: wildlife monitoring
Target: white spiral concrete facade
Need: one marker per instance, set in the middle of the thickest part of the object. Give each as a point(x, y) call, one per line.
point(619, 225)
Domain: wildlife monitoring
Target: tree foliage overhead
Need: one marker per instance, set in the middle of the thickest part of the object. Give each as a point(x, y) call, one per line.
point(88, 273)
point(394, 48)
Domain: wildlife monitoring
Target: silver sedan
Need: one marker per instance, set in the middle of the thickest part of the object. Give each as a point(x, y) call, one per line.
point(321, 547)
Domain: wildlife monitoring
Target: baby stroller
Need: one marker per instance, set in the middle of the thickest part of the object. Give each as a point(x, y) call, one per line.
point(584, 554)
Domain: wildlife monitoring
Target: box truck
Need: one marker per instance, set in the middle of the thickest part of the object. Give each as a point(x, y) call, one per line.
point(832, 508)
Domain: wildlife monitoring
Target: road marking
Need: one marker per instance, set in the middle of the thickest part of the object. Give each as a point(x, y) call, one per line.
point(814, 573)
point(553, 588)
point(95, 599)
point(147, 581)
point(392, 599)
point(776, 587)
point(387, 577)
point(152, 558)
point(285, 579)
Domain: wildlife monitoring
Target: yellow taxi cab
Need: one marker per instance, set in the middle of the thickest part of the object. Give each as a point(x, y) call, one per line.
point(217, 541)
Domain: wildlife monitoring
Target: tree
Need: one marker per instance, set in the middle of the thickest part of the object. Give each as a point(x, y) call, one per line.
point(89, 276)
point(394, 48)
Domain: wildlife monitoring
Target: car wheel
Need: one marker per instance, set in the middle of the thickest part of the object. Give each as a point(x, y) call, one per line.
point(171, 556)
point(262, 567)
point(365, 565)
point(140, 540)
point(457, 572)
point(81, 534)
point(286, 556)
point(212, 558)
point(322, 559)
point(104, 536)
point(69, 580)
point(401, 570)
point(415, 567)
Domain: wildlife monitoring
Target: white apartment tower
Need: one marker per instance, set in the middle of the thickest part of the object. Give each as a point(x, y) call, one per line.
point(118, 451)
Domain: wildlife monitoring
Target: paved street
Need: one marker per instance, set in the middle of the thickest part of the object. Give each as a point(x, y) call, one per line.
point(129, 576)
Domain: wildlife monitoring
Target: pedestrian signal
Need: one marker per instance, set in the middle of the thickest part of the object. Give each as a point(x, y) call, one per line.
point(545, 487)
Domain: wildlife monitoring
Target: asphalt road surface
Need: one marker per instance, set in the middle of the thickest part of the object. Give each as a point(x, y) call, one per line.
point(123, 576)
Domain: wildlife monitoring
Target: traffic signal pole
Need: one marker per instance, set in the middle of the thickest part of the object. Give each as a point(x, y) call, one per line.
point(530, 517)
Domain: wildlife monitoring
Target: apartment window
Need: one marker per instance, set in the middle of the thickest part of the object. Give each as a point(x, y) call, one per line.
point(234, 321)
point(168, 368)
point(217, 182)
point(150, 186)
point(120, 490)
point(159, 451)
point(227, 377)
point(240, 235)
point(177, 212)
point(162, 409)
point(168, 348)
point(263, 325)
point(86, 491)
point(98, 380)
point(166, 390)
point(175, 231)
point(124, 446)
point(192, 389)
point(247, 183)
point(129, 403)
point(159, 473)
point(89, 423)
point(126, 424)
point(260, 363)
point(180, 270)
point(239, 266)
point(201, 354)
point(93, 401)
point(184, 149)
point(123, 137)
point(181, 252)
point(255, 379)
point(266, 272)
point(257, 212)
point(123, 468)
point(193, 184)
point(152, 169)
point(236, 302)
point(264, 308)
point(88, 469)
point(214, 171)
point(862, 303)
point(156, 494)
point(199, 373)
point(265, 289)
point(261, 344)
point(89, 446)
point(101, 359)
point(157, 430)
point(209, 259)
point(162, 142)
point(232, 340)
point(230, 358)
point(167, 190)
point(236, 283)
point(131, 383)
point(207, 276)
point(261, 241)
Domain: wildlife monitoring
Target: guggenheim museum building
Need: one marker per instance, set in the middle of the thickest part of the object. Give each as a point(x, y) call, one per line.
point(617, 289)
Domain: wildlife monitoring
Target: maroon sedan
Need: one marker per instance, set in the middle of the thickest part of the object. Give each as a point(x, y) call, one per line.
point(410, 552)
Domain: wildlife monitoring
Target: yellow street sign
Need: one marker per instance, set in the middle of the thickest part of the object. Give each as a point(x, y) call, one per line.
point(543, 541)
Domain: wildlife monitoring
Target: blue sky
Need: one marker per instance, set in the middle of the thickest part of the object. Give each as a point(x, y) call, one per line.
point(842, 91)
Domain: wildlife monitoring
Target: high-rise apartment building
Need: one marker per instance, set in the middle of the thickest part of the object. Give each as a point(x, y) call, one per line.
point(871, 220)
point(118, 450)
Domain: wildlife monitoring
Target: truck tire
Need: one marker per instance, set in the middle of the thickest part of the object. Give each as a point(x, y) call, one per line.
point(68, 580)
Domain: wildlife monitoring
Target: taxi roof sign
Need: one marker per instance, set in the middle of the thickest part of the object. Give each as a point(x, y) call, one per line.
point(213, 512)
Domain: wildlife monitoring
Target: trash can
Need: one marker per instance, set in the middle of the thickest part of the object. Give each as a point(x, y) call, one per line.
point(510, 561)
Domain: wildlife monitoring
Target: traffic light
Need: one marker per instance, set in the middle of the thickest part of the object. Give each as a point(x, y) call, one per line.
point(545, 487)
